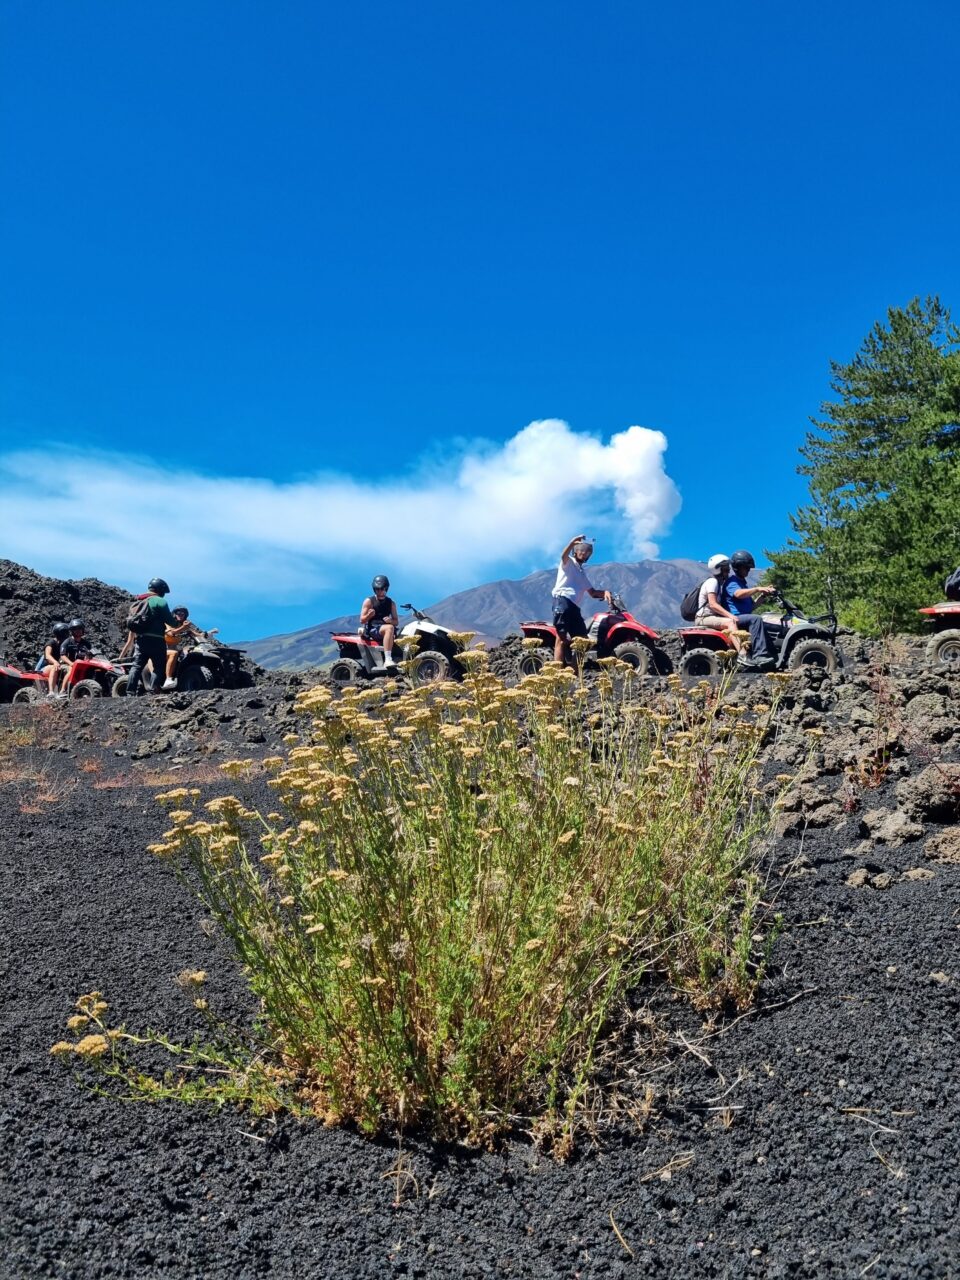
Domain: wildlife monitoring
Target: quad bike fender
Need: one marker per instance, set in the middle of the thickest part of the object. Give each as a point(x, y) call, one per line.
point(348, 647)
point(944, 616)
point(542, 631)
point(704, 638)
point(804, 631)
point(630, 630)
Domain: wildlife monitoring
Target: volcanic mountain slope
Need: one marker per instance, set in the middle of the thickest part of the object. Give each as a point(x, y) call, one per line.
point(814, 1136)
point(30, 603)
point(651, 589)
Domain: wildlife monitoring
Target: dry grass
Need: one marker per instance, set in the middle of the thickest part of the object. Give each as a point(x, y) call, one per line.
point(468, 880)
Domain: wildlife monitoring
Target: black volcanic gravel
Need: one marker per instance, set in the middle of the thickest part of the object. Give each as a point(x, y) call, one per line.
point(816, 1136)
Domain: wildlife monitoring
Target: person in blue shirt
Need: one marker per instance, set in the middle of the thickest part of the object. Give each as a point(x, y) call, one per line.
point(739, 598)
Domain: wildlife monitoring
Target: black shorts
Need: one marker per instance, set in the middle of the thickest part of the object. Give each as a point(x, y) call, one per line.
point(374, 630)
point(567, 618)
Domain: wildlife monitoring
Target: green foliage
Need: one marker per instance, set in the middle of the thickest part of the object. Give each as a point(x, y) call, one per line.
point(471, 879)
point(882, 529)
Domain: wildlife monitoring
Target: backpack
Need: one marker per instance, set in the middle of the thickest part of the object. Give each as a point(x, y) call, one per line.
point(951, 588)
point(139, 616)
point(690, 603)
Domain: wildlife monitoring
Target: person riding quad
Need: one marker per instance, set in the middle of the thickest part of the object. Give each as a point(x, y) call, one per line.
point(711, 611)
point(571, 586)
point(49, 664)
point(739, 599)
point(77, 645)
point(175, 636)
point(150, 646)
point(378, 620)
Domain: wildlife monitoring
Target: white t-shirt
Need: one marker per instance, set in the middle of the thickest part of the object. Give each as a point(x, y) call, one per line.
point(703, 604)
point(571, 581)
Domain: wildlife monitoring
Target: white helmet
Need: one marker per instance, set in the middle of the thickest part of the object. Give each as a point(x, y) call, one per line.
point(718, 562)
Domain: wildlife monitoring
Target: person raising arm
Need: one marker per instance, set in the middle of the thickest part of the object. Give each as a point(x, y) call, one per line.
point(571, 586)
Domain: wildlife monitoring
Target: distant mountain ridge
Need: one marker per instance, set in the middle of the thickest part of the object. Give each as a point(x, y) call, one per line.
point(651, 589)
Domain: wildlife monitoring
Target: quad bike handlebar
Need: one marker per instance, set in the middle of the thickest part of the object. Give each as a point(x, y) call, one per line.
point(796, 612)
point(420, 617)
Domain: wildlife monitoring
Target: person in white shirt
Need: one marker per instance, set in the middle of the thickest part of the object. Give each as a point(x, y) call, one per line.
point(710, 609)
point(571, 586)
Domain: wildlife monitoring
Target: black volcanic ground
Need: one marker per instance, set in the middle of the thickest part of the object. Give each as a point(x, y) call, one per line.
point(816, 1136)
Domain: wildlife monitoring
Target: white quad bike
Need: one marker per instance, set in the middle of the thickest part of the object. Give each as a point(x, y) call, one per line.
point(431, 654)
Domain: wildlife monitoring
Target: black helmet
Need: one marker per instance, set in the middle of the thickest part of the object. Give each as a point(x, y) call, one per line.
point(742, 561)
point(76, 623)
point(381, 580)
point(181, 608)
point(60, 629)
point(159, 586)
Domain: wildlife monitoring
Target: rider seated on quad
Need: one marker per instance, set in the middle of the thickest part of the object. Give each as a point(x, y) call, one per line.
point(739, 599)
point(378, 620)
point(711, 612)
point(571, 586)
point(74, 648)
point(50, 663)
point(174, 637)
point(77, 645)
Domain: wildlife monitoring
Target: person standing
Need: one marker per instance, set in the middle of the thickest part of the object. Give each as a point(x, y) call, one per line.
point(571, 586)
point(150, 645)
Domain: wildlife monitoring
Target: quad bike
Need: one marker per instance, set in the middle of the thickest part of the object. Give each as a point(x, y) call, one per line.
point(211, 665)
point(92, 677)
point(434, 655)
point(21, 686)
point(943, 647)
point(206, 664)
point(615, 634)
point(798, 640)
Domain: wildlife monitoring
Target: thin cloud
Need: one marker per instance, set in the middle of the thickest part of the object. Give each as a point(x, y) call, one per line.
point(123, 519)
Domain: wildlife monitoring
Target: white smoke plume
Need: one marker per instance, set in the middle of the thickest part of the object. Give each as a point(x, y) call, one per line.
point(489, 510)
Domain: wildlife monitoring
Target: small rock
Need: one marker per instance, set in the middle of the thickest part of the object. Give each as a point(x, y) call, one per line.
point(894, 828)
point(939, 976)
point(944, 846)
point(917, 873)
point(861, 715)
point(858, 879)
point(826, 815)
point(882, 881)
point(933, 794)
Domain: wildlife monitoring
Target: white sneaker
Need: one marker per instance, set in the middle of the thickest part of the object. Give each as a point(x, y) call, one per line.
point(169, 683)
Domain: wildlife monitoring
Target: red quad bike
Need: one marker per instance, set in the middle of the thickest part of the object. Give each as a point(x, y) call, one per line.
point(92, 677)
point(943, 647)
point(616, 634)
point(360, 659)
point(22, 686)
point(799, 641)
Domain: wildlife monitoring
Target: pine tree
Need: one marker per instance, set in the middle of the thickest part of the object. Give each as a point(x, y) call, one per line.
point(882, 529)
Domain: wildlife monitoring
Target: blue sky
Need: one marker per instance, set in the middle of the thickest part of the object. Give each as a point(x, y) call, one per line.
point(284, 285)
